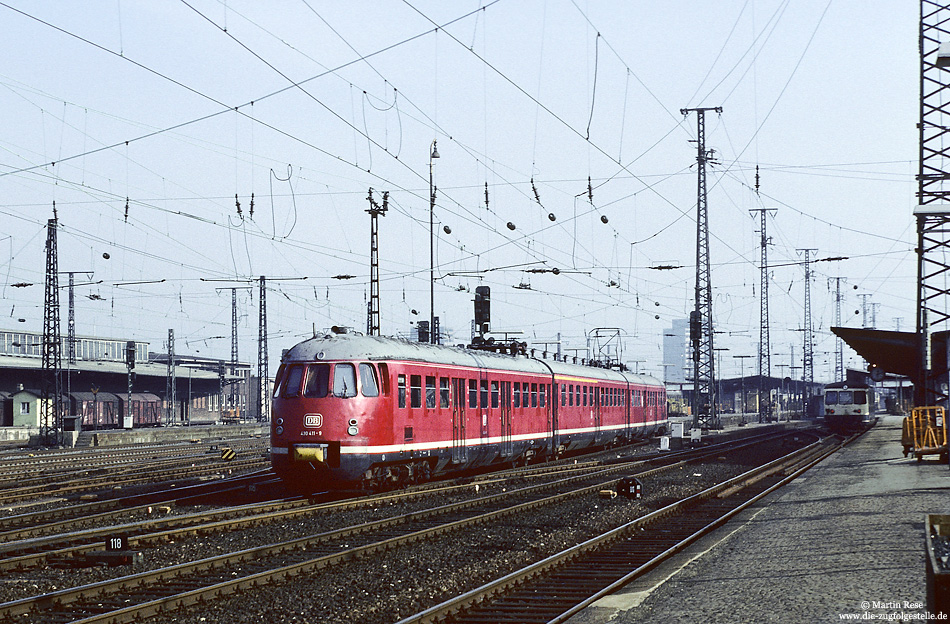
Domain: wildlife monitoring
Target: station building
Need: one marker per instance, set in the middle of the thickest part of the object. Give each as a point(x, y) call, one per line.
point(95, 384)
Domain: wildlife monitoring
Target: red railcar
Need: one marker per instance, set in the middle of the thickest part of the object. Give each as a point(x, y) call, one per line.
point(351, 408)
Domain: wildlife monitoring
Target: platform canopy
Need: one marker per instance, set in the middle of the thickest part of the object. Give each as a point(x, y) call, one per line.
point(893, 351)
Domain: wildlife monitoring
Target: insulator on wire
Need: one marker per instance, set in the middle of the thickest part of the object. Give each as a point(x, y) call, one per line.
point(126, 209)
point(551, 216)
point(603, 218)
point(537, 198)
point(252, 206)
point(486, 195)
point(590, 191)
point(238, 204)
point(511, 226)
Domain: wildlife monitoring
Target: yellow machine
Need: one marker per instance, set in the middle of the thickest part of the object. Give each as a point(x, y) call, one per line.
point(925, 433)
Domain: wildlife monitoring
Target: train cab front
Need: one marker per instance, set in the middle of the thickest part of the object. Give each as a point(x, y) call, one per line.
point(319, 414)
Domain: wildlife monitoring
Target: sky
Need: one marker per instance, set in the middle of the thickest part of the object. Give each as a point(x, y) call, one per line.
point(561, 146)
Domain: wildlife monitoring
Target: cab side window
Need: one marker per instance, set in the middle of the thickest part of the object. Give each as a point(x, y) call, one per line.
point(292, 382)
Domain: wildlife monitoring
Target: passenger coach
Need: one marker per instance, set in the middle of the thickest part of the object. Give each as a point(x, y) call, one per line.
point(381, 411)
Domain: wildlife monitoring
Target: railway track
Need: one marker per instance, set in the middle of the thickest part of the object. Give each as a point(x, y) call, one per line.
point(57, 536)
point(151, 592)
point(555, 589)
point(86, 476)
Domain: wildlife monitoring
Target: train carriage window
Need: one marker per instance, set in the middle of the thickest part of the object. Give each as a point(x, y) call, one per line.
point(534, 395)
point(517, 386)
point(368, 385)
point(577, 396)
point(292, 381)
point(344, 380)
point(444, 392)
point(831, 397)
point(570, 395)
point(484, 393)
point(563, 395)
point(401, 390)
point(472, 394)
point(584, 394)
point(430, 392)
point(494, 394)
point(415, 390)
point(860, 397)
point(542, 392)
point(318, 381)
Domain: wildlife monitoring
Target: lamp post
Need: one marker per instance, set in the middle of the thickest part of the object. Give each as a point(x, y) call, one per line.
point(432, 155)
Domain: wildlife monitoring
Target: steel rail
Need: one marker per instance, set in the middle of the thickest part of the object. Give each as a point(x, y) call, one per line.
point(30, 492)
point(138, 583)
point(484, 594)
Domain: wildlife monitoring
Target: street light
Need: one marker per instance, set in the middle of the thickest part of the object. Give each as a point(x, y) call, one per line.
point(432, 155)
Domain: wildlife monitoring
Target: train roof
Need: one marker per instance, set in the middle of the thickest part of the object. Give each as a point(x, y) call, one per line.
point(374, 348)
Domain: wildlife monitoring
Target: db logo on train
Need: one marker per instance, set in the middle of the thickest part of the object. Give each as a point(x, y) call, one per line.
point(313, 420)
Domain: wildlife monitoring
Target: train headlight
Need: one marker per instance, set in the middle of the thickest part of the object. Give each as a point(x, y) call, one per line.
point(279, 430)
point(280, 421)
point(353, 429)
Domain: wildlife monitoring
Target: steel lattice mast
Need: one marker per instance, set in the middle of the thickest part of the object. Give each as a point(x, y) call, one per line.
point(705, 409)
point(839, 344)
point(933, 210)
point(234, 349)
point(808, 357)
point(375, 211)
point(765, 345)
point(170, 382)
point(51, 414)
point(71, 324)
point(263, 414)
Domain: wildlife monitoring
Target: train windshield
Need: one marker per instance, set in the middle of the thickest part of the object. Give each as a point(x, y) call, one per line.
point(318, 381)
point(860, 397)
point(368, 380)
point(344, 380)
point(831, 397)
